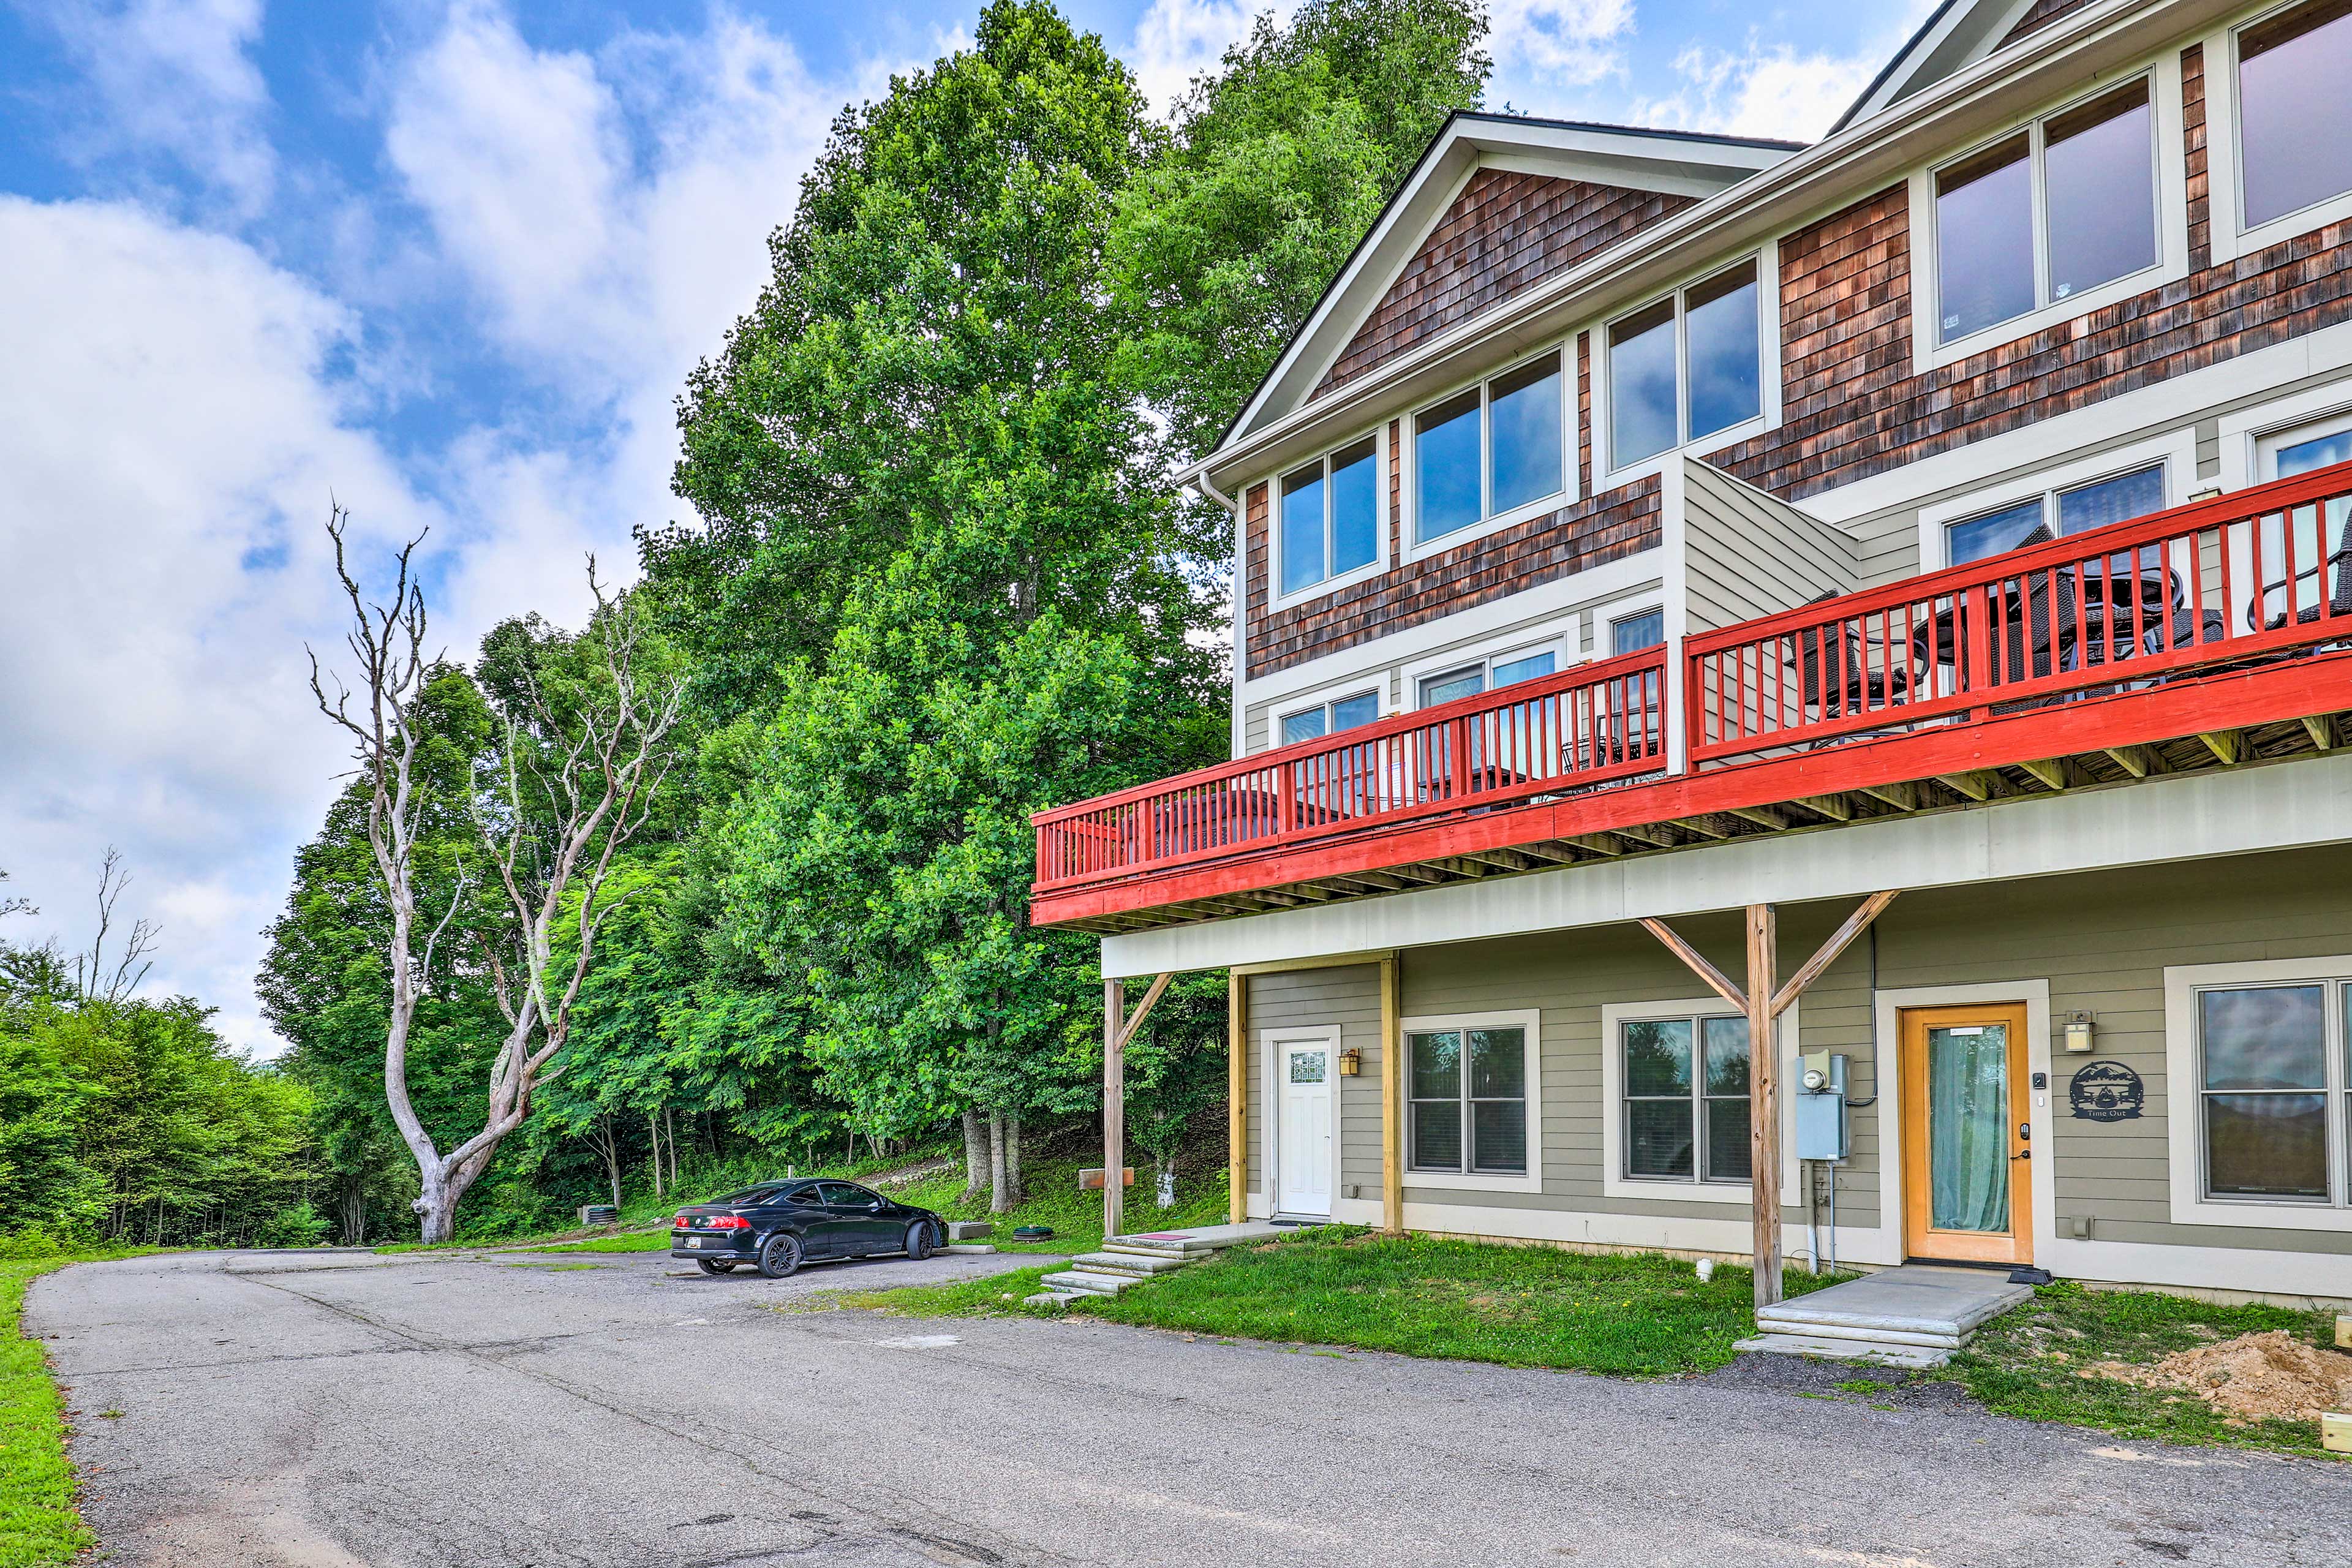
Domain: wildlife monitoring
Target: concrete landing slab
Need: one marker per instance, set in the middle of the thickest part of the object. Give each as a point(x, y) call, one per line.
point(1193, 1238)
point(1914, 1358)
point(1916, 1299)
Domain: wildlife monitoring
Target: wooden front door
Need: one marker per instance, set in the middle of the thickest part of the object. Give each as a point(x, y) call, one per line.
point(1967, 1166)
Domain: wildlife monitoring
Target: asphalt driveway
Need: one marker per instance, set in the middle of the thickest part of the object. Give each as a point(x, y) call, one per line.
point(455, 1412)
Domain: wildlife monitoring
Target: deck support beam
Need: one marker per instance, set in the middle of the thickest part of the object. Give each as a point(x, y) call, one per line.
point(2049, 772)
point(2228, 746)
point(2320, 728)
point(2137, 761)
point(1762, 1001)
point(1118, 1028)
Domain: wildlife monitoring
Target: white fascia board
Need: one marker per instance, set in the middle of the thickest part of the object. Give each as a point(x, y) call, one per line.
point(1801, 189)
point(2295, 804)
point(1952, 39)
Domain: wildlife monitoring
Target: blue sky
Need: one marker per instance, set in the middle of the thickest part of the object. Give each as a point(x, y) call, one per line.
point(450, 264)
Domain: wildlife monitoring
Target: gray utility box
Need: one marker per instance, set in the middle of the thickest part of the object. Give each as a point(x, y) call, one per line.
point(1820, 1106)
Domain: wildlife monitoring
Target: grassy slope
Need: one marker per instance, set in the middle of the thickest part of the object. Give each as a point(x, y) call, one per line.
point(1518, 1306)
point(2030, 1362)
point(38, 1524)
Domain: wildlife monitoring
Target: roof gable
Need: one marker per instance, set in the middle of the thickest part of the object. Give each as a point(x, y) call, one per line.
point(1959, 34)
point(1506, 231)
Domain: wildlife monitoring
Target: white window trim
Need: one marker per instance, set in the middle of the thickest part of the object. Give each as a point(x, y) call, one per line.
point(1383, 459)
point(1604, 621)
point(1561, 640)
point(2177, 452)
point(1769, 366)
point(1271, 1044)
point(1614, 1183)
point(2224, 156)
point(1530, 1023)
point(1928, 354)
point(2184, 1118)
point(1373, 682)
point(2268, 442)
point(1407, 457)
point(2246, 431)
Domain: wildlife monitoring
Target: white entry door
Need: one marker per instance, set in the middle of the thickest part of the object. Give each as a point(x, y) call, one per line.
point(1302, 1136)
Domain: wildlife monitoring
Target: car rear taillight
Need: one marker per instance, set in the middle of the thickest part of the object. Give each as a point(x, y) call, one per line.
point(683, 1222)
point(729, 1222)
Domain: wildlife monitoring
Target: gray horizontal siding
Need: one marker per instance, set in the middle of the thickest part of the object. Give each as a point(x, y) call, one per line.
point(1349, 996)
point(1749, 555)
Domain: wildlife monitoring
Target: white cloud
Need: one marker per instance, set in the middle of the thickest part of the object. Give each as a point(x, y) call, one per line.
point(1772, 90)
point(172, 76)
point(1176, 40)
point(171, 428)
point(1555, 44)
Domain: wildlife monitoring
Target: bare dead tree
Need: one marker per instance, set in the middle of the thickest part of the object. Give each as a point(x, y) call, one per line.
point(91, 977)
point(595, 767)
point(16, 906)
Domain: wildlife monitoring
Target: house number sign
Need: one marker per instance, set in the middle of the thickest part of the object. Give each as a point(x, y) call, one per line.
point(2106, 1092)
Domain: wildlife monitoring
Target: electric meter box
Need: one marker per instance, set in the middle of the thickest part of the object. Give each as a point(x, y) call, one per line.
point(1820, 1111)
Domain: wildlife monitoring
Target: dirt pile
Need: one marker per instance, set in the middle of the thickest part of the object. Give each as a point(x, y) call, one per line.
point(2255, 1377)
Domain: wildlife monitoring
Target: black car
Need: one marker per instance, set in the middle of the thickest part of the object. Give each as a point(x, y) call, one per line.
point(778, 1226)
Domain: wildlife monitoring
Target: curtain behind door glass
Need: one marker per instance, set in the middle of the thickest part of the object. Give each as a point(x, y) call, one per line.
point(1967, 1129)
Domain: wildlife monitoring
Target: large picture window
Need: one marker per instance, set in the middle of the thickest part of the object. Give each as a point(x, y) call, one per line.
point(2274, 1092)
point(1686, 366)
point(1331, 516)
point(2077, 508)
point(2293, 152)
point(2047, 212)
point(1685, 1094)
point(1490, 451)
point(1468, 1105)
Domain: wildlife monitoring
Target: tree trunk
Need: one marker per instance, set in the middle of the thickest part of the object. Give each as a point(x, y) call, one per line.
point(999, 1192)
point(613, 1157)
point(975, 1156)
point(654, 1123)
point(1163, 1169)
point(1012, 1159)
point(671, 1119)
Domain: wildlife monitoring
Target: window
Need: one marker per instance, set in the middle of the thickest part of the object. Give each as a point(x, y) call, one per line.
point(1326, 718)
point(1490, 451)
point(1686, 367)
point(1468, 1101)
point(2062, 207)
point(1631, 633)
point(845, 1195)
point(1331, 516)
point(1487, 675)
point(2116, 499)
point(2292, 150)
point(1686, 1099)
point(2274, 1092)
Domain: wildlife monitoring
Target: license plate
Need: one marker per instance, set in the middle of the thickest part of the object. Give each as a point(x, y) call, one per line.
point(694, 1241)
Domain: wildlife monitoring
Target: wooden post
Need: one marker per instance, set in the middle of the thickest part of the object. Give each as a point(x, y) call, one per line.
point(1764, 1101)
point(1237, 1096)
point(1392, 1099)
point(1114, 1103)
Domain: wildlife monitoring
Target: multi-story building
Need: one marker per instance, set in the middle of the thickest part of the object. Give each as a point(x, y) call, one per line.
point(1653, 535)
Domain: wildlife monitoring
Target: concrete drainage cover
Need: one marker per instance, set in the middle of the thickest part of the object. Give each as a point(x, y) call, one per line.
point(919, 1343)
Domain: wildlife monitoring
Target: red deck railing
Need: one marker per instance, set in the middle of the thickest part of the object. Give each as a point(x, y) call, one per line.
point(1590, 725)
point(2117, 608)
point(2194, 592)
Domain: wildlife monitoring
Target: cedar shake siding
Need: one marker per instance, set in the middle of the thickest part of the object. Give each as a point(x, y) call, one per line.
point(1851, 405)
point(2039, 15)
point(1503, 233)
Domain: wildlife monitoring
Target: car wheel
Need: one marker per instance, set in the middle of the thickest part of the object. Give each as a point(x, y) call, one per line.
point(712, 1266)
point(780, 1258)
point(919, 1239)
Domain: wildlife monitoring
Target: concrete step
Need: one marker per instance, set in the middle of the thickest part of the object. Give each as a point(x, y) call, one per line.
point(1194, 1240)
point(1054, 1297)
point(969, 1229)
point(1091, 1282)
point(1819, 1348)
point(1933, 1339)
point(1141, 1264)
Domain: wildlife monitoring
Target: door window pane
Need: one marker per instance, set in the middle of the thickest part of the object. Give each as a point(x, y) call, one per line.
point(1511, 671)
point(1967, 1129)
point(1437, 688)
point(1643, 420)
point(1305, 726)
point(2266, 1038)
point(1720, 328)
point(1306, 1067)
point(1355, 508)
point(2266, 1145)
point(1524, 412)
point(1984, 238)
point(1992, 533)
point(2099, 180)
point(1445, 463)
point(2118, 500)
point(1302, 529)
point(2291, 77)
point(1634, 633)
point(1348, 712)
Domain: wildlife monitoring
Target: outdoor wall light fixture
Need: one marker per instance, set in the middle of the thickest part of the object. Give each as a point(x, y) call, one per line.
point(2078, 1034)
point(1351, 1062)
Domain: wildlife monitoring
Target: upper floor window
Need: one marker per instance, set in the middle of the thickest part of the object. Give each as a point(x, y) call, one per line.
point(1331, 516)
point(1686, 366)
point(2115, 498)
point(2061, 208)
point(2293, 153)
point(1327, 717)
point(1631, 633)
point(1491, 450)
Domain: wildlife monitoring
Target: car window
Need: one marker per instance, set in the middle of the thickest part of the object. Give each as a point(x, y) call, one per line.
point(804, 1198)
point(750, 1196)
point(842, 1195)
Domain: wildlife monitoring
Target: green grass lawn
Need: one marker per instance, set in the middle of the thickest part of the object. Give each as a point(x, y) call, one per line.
point(628, 1241)
point(1054, 1199)
point(1517, 1306)
point(2030, 1362)
point(38, 1524)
